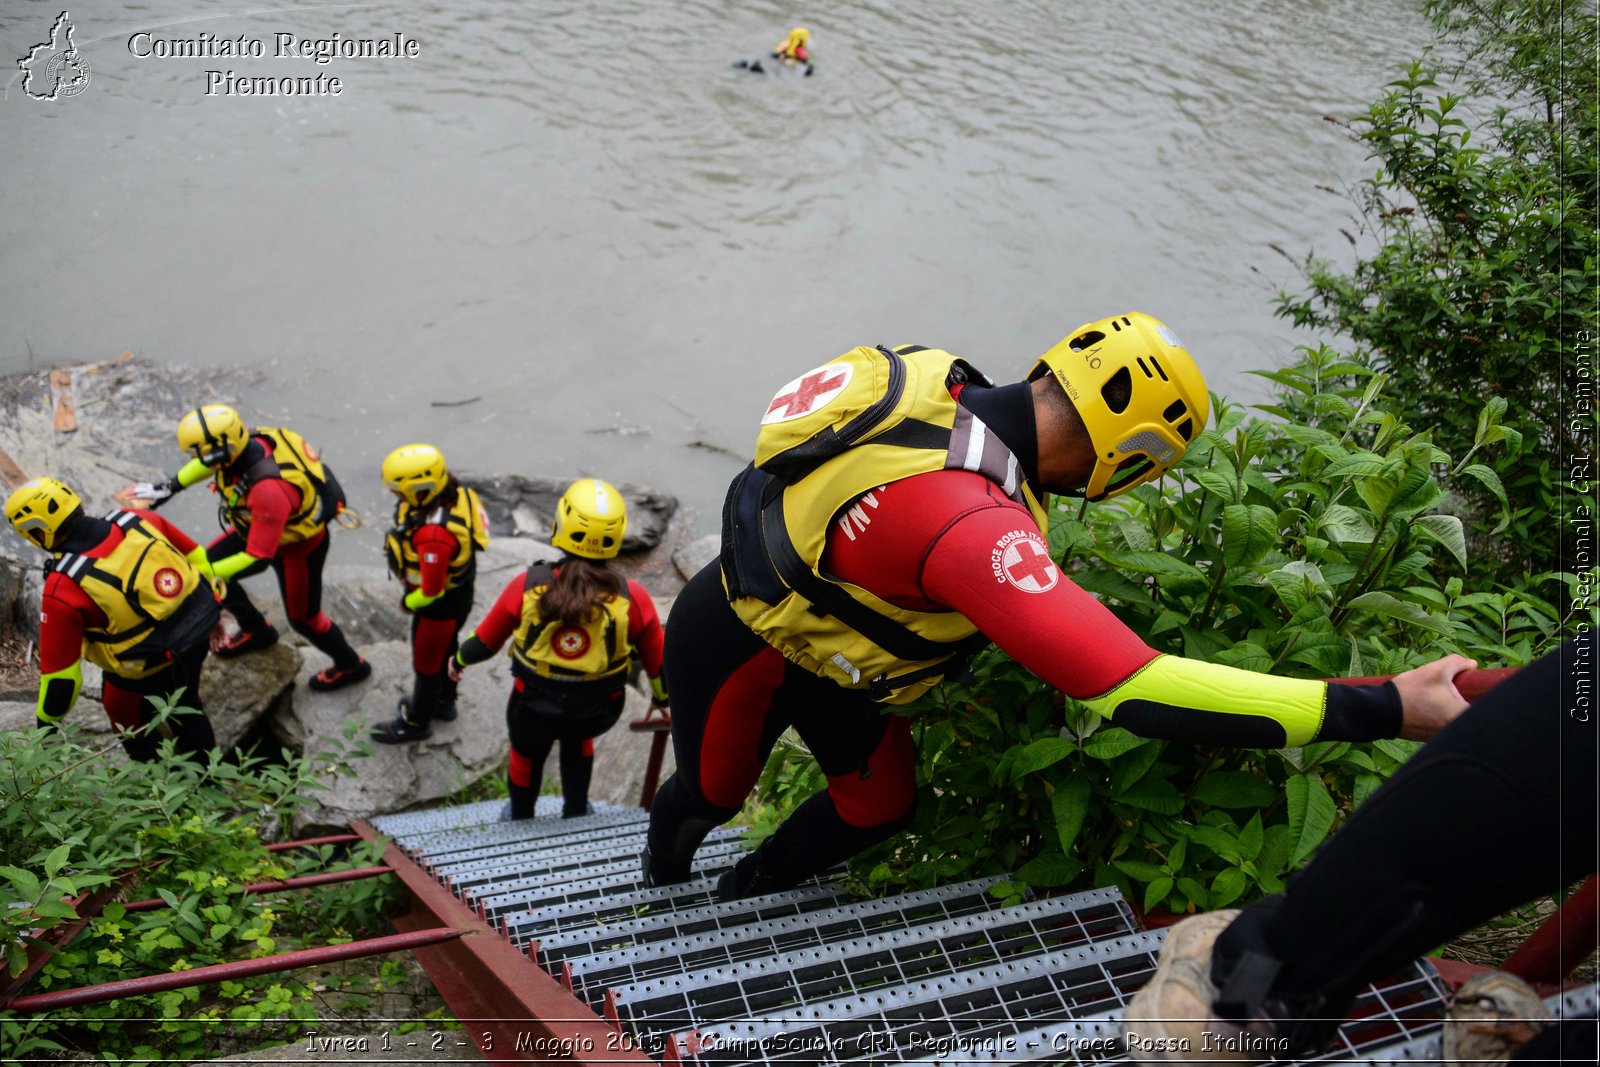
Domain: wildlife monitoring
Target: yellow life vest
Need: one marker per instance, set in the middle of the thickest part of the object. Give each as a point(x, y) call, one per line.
point(463, 517)
point(599, 650)
point(296, 462)
point(871, 417)
point(154, 600)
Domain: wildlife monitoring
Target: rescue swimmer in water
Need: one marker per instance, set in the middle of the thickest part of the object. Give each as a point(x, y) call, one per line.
point(792, 51)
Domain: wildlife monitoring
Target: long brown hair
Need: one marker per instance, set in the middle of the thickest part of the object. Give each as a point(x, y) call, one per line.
point(579, 584)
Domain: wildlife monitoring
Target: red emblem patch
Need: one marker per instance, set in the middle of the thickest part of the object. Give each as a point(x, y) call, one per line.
point(168, 582)
point(807, 393)
point(570, 644)
point(1023, 559)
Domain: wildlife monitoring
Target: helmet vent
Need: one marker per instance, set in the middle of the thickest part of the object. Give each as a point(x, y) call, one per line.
point(1118, 391)
point(1087, 340)
point(1174, 410)
point(53, 508)
point(1159, 371)
point(1186, 428)
point(1140, 361)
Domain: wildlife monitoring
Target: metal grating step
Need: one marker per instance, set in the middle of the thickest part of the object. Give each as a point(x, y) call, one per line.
point(670, 944)
point(942, 976)
point(599, 914)
point(835, 968)
point(995, 999)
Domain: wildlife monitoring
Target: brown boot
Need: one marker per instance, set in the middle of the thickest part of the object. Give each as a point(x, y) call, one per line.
point(1490, 1018)
point(1172, 1019)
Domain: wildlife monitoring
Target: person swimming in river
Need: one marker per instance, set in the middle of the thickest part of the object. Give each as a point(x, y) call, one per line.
point(793, 51)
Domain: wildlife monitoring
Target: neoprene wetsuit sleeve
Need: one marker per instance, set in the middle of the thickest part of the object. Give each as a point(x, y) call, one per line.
point(1208, 703)
point(58, 692)
point(472, 651)
point(191, 473)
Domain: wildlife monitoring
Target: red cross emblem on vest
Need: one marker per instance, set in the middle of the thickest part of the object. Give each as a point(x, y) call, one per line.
point(1027, 565)
point(807, 393)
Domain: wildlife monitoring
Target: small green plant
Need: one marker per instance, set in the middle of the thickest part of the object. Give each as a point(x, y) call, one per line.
point(190, 834)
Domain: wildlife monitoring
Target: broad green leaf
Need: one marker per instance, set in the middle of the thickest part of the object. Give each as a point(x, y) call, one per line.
point(1344, 523)
point(57, 858)
point(26, 882)
point(1129, 768)
point(1447, 530)
point(1153, 794)
point(1356, 464)
point(1050, 869)
point(1069, 805)
point(1235, 789)
point(1311, 815)
point(1040, 754)
point(1156, 892)
point(1249, 531)
point(1139, 872)
point(1112, 742)
point(1380, 603)
point(1227, 887)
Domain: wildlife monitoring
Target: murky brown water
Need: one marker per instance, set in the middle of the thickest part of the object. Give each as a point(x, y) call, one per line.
point(578, 216)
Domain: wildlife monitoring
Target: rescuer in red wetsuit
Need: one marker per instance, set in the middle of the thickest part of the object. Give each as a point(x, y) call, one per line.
point(276, 499)
point(893, 522)
point(439, 529)
point(576, 629)
point(131, 593)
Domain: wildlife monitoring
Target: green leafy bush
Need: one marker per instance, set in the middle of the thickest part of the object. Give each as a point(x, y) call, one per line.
point(1320, 543)
point(1483, 277)
point(72, 822)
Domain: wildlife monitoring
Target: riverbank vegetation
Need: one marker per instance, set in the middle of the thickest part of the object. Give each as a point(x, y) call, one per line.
point(194, 837)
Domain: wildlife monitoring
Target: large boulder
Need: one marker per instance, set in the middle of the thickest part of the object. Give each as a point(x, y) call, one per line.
point(524, 507)
point(241, 691)
point(397, 777)
point(692, 557)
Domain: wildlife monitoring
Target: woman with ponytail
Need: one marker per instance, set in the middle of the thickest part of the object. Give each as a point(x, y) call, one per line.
point(575, 629)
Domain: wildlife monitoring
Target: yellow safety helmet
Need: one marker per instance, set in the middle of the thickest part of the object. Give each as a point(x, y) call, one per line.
point(800, 35)
point(39, 509)
point(213, 434)
point(591, 518)
point(1138, 392)
point(417, 472)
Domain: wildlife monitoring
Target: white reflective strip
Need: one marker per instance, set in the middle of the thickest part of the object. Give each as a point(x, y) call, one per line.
point(1010, 486)
point(602, 499)
point(77, 564)
point(974, 457)
point(849, 668)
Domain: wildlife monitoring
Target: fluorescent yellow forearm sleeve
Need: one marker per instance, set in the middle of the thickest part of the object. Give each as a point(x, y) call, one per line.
point(58, 692)
point(1207, 703)
point(227, 567)
point(658, 689)
point(191, 473)
point(416, 600)
point(201, 562)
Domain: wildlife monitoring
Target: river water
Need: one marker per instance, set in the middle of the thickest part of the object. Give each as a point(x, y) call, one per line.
point(569, 238)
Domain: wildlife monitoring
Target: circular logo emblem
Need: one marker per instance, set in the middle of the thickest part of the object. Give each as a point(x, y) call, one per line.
point(807, 393)
point(1022, 558)
point(168, 582)
point(570, 644)
point(67, 74)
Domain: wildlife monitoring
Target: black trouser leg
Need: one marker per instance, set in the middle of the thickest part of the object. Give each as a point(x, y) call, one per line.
point(577, 767)
point(1498, 809)
point(707, 648)
point(234, 599)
